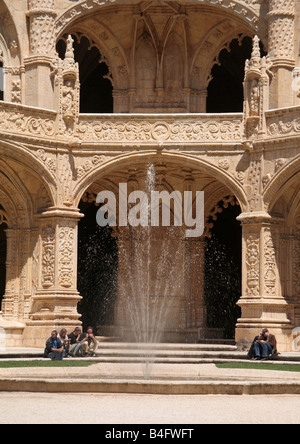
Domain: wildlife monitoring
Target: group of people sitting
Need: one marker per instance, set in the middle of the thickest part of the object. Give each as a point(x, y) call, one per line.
point(60, 346)
point(81, 344)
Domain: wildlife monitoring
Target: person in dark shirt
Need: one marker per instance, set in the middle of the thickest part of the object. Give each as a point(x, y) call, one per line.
point(54, 348)
point(75, 342)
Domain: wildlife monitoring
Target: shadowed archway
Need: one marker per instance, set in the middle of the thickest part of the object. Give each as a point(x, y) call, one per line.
point(3, 252)
point(223, 268)
point(225, 90)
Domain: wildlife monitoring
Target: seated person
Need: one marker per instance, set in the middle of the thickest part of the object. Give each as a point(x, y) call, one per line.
point(263, 346)
point(54, 348)
point(75, 343)
point(89, 342)
point(63, 336)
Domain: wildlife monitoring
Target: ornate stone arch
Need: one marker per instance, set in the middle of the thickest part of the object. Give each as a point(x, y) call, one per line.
point(4, 52)
point(207, 55)
point(10, 54)
point(38, 164)
point(18, 202)
point(108, 46)
point(280, 183)
point(9, 32)
point(127, 160)
point(7, 210)
point(240, 10)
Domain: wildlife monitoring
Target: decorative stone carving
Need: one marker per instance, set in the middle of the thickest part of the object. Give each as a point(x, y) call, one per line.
point(283, 123)
point(252, 264)
point(42, 18)
point(136, 129)
point(69, 87)
point(25, 121)
point(256, 92)
point(296, 258)
point(66, 251)
point(281, 32)
point(48, 256)
point(270, 266)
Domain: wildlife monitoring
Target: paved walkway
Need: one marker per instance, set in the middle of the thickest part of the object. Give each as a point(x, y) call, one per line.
point(45, 408)
point(124, 408)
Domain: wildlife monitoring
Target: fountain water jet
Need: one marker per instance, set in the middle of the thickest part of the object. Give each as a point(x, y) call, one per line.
point(150, 260)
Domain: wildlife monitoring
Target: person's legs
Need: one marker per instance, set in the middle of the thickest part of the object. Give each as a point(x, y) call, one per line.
point(257, 349)
point(93, 347)
point(266, 350)
point(77, 350)
point(85, 348)
point(56, 356)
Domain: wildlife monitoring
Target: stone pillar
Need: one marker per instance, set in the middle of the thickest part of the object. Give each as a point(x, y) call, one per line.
point(262, 303)
point(54, 304)
point(281, 22)
point(39, 87)
point(194, 284)
point(9, 304)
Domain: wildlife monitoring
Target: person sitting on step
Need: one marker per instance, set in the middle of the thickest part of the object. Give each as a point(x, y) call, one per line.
point(263, 346)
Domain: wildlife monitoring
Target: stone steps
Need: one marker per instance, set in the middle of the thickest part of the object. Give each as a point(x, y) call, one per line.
point(122, 353)
point(164, 353)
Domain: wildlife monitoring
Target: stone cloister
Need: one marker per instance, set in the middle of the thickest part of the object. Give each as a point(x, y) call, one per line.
point(64, 137)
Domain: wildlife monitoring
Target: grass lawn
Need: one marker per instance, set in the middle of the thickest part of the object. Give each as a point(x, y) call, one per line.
point(45, 363)
point(261, 366)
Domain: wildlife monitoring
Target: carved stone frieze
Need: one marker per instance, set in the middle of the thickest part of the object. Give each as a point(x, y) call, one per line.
point(137, 129)
point(283, 123)
point(25, 121)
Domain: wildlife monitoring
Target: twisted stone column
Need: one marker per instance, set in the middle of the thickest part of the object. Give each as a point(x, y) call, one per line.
point(39, 88)
point(281, 23)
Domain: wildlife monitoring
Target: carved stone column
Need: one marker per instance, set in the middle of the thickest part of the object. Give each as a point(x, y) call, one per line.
point(193, 306)
point(39, 88)
point(18, 290)
point(54, 304)
point(9, 304)
point(281, 20)
point(262, 303)
point(194, 285)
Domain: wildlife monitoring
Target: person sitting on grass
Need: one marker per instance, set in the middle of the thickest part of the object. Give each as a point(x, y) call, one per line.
point(54, 348)
point(263, 346)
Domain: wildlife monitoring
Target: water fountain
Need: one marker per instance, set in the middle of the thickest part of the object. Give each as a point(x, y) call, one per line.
point(151, 265)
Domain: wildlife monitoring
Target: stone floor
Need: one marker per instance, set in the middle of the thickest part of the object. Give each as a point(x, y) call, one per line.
point(45, 408)
point(117, 393)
